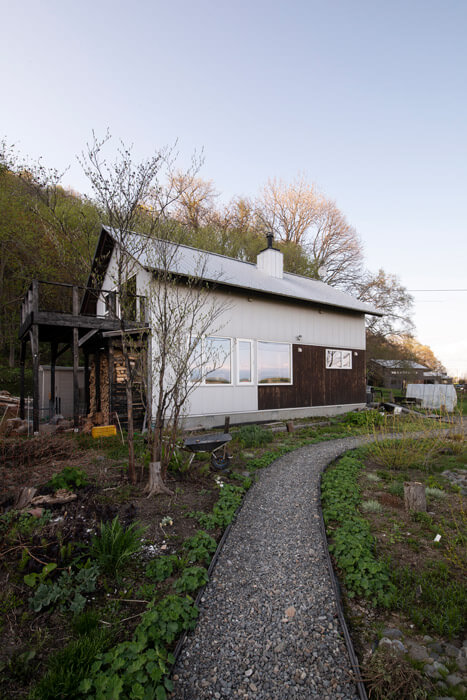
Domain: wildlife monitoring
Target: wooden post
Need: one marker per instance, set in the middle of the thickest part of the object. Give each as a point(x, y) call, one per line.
point(414, 496)
point(87, 395)
point(35, 297)
point(22, 360)
point(97, 378)
point(53, 362)
point(34, 335)
point(75, 348)
point(111, 377)
point(227, 424)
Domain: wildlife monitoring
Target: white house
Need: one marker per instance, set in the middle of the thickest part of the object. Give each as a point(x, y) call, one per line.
point(291, 346)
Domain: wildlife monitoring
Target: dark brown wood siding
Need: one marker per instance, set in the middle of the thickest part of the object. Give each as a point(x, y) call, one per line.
point(314, 385)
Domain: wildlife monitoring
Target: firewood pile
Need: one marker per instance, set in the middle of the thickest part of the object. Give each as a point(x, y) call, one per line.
point(9, 408)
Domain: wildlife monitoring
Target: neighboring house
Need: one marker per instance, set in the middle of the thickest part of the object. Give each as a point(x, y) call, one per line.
point(433, 377)
point(292, 346)
point(395, 374)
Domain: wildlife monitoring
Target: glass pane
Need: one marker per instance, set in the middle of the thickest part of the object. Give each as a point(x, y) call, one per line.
point(346, 359)
point(274, 363)
point(244, 361)
point(196, 360)
point(217, 357)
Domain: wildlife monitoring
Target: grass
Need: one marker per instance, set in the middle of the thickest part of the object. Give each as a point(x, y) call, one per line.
point(114, 546)
point(132, 586)
point(424, 592)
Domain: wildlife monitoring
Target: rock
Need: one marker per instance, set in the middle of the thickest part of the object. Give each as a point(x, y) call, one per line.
point(430, 670)
point(290, 612)
point(451, 650)
point(394, 644)
point(418, 652)
point(249, 672)
point(453, 679)
point(440, 667)
point(392, 633)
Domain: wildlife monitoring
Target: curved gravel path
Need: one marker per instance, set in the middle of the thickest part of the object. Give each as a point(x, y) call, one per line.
point(268, 626)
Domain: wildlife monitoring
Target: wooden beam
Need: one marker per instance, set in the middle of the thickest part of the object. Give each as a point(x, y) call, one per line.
point(53, 318)
point(87, 336)
point(66, 347)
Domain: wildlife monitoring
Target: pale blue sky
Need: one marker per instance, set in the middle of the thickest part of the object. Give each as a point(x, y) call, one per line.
point(367, 98)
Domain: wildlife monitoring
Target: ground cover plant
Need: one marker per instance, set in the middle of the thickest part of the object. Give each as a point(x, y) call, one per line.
point(402, 570)
point(104, 585)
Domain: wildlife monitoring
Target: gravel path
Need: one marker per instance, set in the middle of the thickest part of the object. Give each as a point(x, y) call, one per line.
point(267, 627)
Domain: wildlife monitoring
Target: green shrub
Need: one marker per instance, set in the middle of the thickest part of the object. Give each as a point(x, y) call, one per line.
point(371, 506)
point(200, 547)
point(68, 590)
point(138, 669)
point(340, 494)
point(69, 478)
point(353, 547)
point(367, 419)
point(192, 578)
point(224, 510)
point(115, 545)
point(162, 567)
point(253, 436)
point(396, 488)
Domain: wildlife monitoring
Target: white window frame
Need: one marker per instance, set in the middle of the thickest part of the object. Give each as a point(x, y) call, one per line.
point(274, 342)
point(216, 337)
point(203, 381)
point(338, 356)
point(252, 361)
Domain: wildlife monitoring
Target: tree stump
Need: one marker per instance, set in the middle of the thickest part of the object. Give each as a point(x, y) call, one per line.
point(414, 496)
point(290, 426)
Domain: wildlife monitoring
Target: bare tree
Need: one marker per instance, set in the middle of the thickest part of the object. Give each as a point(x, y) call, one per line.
point(289, 210)
point(183, 312)
point(195, 200)
point(299, 216)
point(129, 193)
point(385, 291)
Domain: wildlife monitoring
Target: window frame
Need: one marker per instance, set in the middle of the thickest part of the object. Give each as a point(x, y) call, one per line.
point(252, 361)
point(341, 353)
point(202, 381)
point(274, 342)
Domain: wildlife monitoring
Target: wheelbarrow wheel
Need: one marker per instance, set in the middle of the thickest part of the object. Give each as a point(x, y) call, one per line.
point(220, 463)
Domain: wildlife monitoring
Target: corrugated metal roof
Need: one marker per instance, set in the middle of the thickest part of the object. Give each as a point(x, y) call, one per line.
point(212, 267)
point(400, 364)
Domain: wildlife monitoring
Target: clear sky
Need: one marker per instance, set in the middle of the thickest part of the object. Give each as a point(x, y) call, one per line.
point(368, 98)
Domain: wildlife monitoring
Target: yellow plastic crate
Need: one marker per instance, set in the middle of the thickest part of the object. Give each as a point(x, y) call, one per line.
point(104, 431)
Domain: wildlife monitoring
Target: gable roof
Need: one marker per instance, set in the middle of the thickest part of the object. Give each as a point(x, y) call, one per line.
point(399, 364)
point(229, 272)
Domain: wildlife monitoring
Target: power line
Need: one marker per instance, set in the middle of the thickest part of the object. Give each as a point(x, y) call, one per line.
point(437, 290)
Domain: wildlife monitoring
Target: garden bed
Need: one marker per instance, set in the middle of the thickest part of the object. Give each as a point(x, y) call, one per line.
point(403, 573)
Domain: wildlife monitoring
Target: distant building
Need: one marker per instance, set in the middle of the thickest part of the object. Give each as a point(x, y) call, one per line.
point(395, 374)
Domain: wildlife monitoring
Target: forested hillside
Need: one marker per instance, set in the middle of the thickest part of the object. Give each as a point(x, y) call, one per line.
point(49, 233)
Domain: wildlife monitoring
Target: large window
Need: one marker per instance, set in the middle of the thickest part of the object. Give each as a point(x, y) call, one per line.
point(338, 359)
point(274, 363)
point(245, 361)
point(218, 359)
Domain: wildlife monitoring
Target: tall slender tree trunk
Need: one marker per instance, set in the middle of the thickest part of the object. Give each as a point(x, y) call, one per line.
point(129, 403)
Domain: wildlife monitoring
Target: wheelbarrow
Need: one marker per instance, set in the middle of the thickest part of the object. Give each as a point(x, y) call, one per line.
point(210, 443)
